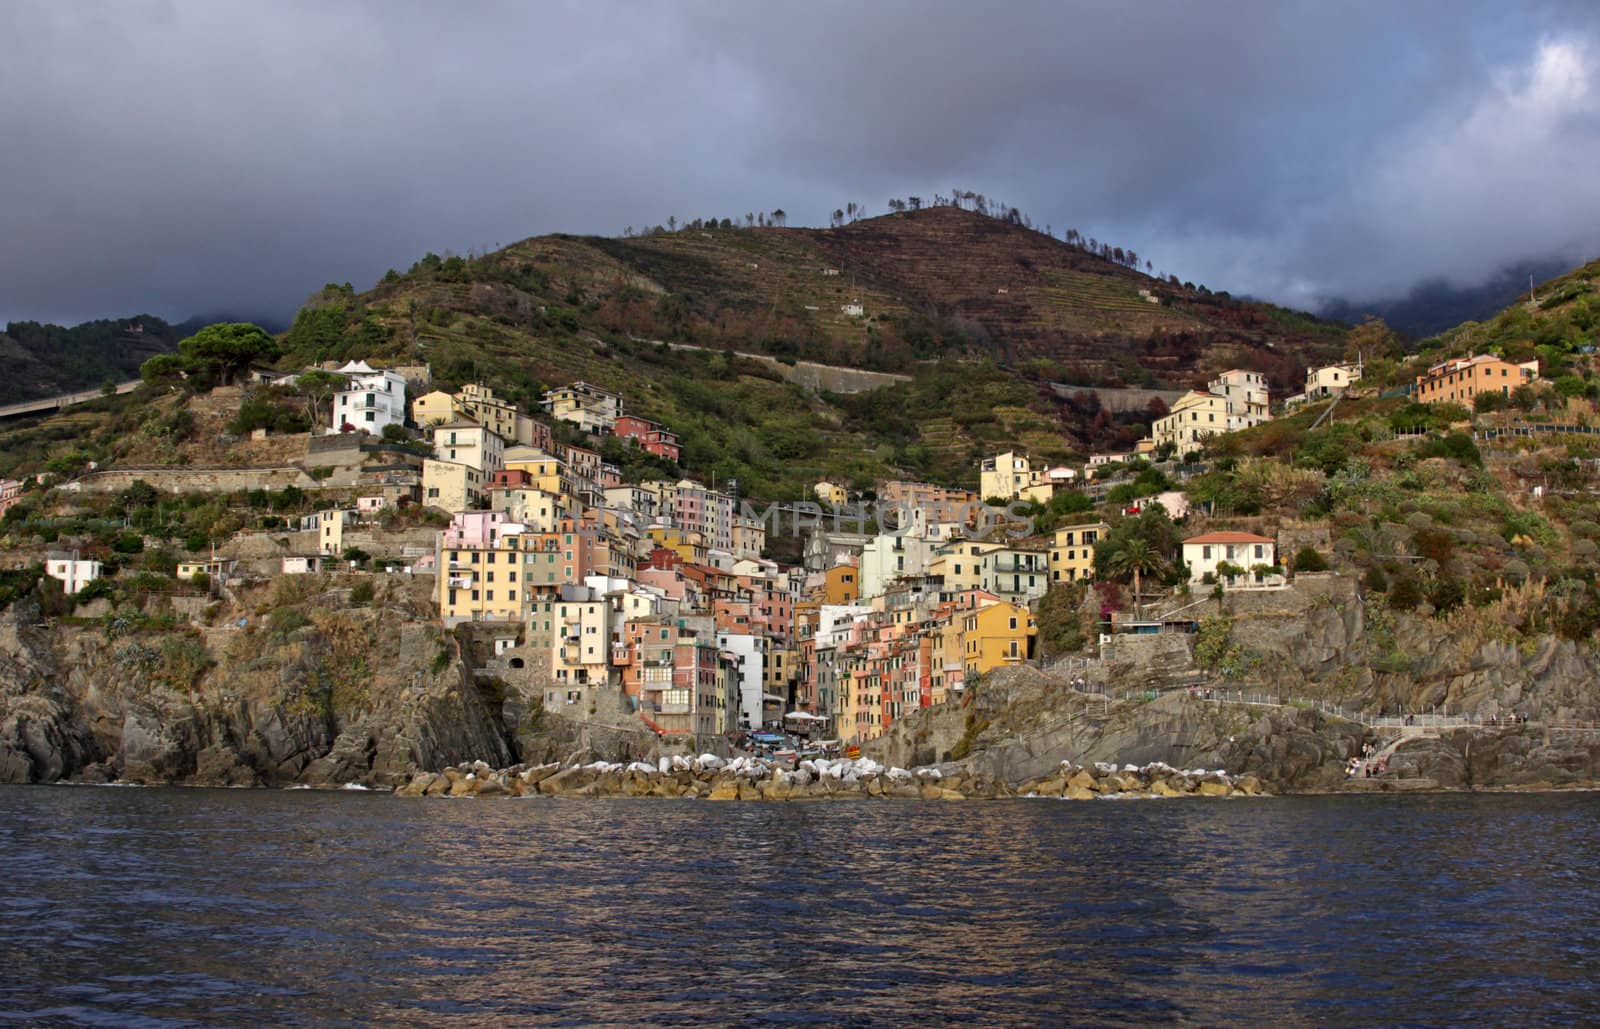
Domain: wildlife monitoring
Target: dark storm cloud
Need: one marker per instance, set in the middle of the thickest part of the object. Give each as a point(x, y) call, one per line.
point(196, 156)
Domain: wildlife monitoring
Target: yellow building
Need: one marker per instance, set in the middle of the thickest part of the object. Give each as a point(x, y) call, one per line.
point(535, 508)
point(963, 565)
point(690, 546)
point(481, 584)
point(496, 415)
point(996, 636)
point(1072, 552)
point(831, 493)
point(1005, 476)
point(436, 408)
point(329, 526)
point(449, 486)
point(217, 568)
point(545, 471)
point(1195, 418)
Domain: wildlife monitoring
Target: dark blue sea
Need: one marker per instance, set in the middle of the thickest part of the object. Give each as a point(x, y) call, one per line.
point(168, 907)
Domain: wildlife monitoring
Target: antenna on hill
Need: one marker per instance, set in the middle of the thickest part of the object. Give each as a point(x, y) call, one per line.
point(1533, 298)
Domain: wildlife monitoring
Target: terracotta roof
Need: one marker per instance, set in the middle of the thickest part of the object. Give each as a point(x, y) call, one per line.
point(1229, 537)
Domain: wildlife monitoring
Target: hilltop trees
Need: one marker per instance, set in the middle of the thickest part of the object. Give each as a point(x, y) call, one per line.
point(216, 354)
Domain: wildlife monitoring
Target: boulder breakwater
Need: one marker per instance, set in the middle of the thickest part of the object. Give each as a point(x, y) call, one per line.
point(710, 777)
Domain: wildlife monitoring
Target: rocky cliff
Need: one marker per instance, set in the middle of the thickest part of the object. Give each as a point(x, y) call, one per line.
point(316, 686)
point(1337, 660)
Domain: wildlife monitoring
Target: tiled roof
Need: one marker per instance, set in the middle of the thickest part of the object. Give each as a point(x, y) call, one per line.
point(1228, 537)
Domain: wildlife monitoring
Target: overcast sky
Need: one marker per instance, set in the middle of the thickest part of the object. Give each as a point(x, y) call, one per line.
point(193, 156)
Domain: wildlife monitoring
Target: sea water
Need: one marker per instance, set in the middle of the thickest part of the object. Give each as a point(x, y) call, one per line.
point(156, 907)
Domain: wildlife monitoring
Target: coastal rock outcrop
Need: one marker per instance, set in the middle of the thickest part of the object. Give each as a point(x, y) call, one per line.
point(332, 694)
point(709, 777)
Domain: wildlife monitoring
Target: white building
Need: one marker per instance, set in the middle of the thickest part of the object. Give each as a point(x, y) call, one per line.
point(748, 653)
point(72, 573)
point(1329, 381)
point(1017, 575)
point(589, 407)
point(580, 651)
point(1243, 550)
point(464, 441)
point(370, 400)
point(1246, 396)
point(887, 557)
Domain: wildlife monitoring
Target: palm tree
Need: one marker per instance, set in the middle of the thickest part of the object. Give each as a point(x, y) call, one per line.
point(1138, 558)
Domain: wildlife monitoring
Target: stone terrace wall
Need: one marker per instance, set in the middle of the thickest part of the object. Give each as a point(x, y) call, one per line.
point(172, 479)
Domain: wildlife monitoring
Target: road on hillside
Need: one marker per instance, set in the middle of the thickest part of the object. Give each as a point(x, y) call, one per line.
point(65, 400)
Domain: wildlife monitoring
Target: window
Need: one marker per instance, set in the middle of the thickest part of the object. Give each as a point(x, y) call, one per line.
point(1259, 552)
point(1205, 552)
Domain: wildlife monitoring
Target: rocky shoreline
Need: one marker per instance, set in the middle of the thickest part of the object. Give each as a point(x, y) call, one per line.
point(743, 778)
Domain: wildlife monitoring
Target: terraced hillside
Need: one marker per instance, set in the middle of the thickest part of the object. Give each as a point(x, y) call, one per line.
point(980, 314)
point(882, 293)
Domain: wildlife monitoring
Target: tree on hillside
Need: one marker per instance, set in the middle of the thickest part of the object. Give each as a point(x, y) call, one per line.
point(837, 217)
point(225, 349)
point(915, 202)
point(317, 388)
point(162, 369)
point(780, 217)
point(1371, 340)
point(1137, 558)
point(1156, 534)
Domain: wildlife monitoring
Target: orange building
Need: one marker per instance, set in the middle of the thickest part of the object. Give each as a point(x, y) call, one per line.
point(1461, 379)
point(842, 585)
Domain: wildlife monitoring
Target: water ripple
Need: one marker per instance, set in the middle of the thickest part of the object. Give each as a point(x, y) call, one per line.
point(195, 907)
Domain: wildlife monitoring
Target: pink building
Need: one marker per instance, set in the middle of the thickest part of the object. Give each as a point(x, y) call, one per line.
point(649, 436)
point(477, 530)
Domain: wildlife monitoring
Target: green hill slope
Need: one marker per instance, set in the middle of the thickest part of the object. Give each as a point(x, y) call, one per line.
point(980, 313)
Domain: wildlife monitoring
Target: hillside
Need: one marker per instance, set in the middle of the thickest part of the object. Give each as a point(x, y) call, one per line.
point(928, 283)
point(39, 360)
